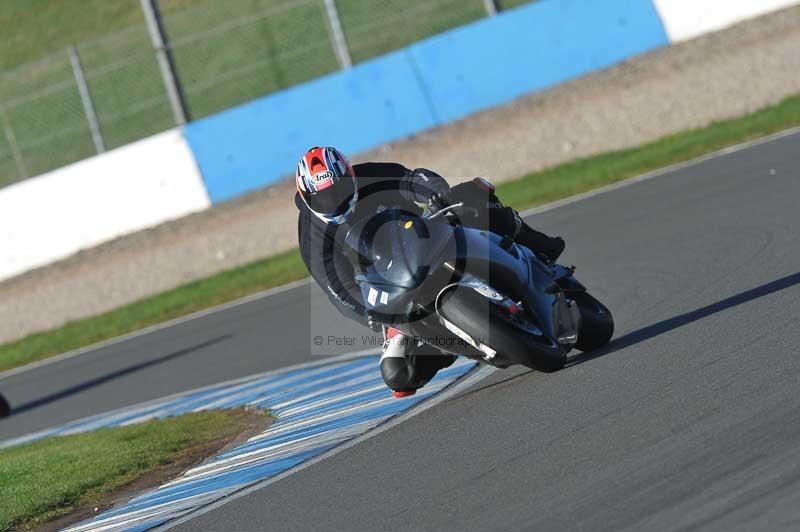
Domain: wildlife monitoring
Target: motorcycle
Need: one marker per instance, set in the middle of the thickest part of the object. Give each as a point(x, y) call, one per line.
point(471, 292)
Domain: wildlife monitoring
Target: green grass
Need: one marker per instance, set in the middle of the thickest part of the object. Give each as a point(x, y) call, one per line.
point(592, 172)
point(392, 24)
point(510, 4)
point(536, 188)
point(226, 53)
point(43, 480)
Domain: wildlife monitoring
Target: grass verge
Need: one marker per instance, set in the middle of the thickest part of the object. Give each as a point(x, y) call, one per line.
point(51, 478)
point(533, 189)
point(588, 173)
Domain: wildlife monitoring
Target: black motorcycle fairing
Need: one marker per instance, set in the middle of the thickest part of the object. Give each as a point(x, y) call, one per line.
point(394, 247)
point(404, 261)
point(429, 330)
point(523, 276)
point(503, 264)
point(398, 258)
point(564, 278)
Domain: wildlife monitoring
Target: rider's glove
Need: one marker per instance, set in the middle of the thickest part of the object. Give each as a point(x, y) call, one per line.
point(437, 202)
point(435, 186)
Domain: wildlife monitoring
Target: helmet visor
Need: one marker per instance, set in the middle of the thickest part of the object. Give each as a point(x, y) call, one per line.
point(333, 200)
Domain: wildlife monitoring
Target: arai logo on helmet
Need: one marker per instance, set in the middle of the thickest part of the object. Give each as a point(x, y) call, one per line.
point(322, 176)
point(322, 180)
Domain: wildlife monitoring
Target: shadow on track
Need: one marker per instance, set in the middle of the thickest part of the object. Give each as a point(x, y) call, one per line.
point(113, 375)
point(665, 326)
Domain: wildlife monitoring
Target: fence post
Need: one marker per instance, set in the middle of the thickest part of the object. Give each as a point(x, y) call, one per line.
point(166, 62)
point(337, 35)
point(22, 172)
point(491, 7)
point(86, 100)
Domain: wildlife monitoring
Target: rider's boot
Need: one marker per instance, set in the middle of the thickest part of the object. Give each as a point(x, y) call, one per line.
point(394, 363)
point(505, 221)
point(550, 246)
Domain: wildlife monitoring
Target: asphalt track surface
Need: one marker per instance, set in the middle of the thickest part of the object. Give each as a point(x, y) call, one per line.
point(689, 420)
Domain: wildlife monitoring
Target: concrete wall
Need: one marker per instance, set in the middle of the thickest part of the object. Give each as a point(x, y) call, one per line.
point(685, 19)
point(59, 213)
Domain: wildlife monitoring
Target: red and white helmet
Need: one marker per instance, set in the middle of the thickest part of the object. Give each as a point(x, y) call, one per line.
point(327, 183)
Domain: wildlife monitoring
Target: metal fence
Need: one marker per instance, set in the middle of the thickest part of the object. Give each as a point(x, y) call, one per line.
point(106, 92)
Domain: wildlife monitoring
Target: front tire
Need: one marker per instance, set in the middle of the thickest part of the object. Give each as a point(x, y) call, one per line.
point(482, 319)
point(597, 323)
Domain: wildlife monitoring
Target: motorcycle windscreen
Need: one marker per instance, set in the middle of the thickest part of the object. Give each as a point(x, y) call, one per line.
point(396, 248)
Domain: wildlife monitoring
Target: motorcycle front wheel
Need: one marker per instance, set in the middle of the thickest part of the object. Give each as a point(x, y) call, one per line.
point(597, 323)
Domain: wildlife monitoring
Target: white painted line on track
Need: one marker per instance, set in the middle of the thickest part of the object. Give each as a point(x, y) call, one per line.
point(461, 385)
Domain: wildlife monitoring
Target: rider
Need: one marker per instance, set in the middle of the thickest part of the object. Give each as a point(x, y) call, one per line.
point(332, 193)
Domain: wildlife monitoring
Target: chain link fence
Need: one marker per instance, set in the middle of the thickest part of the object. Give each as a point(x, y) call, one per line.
point(103, 93)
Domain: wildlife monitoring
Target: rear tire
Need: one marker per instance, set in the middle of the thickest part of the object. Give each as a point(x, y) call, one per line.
point(481, 319)
point(597, 323)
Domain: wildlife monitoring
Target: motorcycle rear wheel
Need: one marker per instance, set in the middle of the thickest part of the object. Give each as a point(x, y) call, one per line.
point(484, 321)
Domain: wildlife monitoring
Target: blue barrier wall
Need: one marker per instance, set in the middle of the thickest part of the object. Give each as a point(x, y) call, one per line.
point(259, 142)
point(432, 82)
point(545, 43)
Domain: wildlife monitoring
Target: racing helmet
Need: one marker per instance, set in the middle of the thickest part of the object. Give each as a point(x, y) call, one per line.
point(327, 183)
